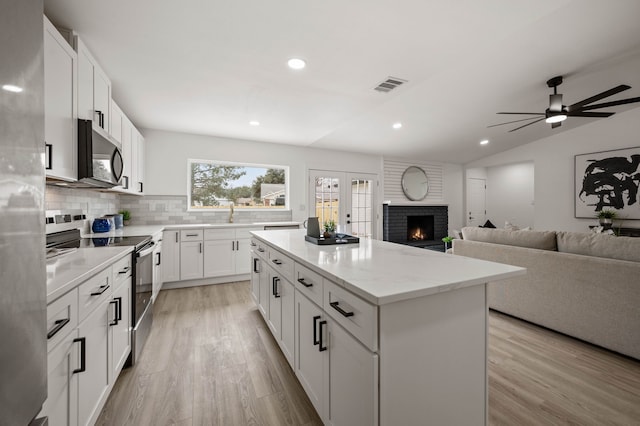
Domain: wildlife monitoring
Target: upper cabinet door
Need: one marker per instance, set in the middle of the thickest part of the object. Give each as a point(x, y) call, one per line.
point(140, 163)
point(117, 118)
point(61, 131)
point(94, 89)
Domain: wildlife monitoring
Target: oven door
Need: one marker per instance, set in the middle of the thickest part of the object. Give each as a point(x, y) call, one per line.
point(142, 314)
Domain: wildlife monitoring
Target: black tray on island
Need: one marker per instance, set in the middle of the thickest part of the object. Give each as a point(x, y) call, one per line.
point(338, 239)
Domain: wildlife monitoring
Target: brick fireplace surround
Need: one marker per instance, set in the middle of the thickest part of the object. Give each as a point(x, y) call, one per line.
point(395, 224)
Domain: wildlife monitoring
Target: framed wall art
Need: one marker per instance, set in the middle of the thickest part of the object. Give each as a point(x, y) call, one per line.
point(608, 180)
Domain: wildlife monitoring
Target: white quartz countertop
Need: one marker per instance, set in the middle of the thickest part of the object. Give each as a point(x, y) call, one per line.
point(67, 271)
point(382, 272)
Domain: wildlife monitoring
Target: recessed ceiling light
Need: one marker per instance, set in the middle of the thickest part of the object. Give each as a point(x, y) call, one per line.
point(254, 123)
point(484, 142)
point(296, 63)
point(12, 88)
point(397, 125)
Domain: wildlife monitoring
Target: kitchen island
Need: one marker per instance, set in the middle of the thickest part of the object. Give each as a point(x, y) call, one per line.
point(376, 332)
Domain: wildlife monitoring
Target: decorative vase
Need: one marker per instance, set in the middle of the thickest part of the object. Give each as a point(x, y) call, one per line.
point(326, 234)
point(606, 223)
point(101, 224)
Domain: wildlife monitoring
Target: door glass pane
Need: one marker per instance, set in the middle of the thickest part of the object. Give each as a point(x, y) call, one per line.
point(361, 204)
point(327, 199)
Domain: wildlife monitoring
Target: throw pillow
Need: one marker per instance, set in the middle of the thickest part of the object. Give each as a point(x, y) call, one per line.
point(488, 224)
point(510, 227)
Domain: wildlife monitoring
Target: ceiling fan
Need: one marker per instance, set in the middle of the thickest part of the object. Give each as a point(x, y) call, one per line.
point(557, 112)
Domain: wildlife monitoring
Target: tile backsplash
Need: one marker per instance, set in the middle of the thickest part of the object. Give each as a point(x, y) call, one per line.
point(149, 209)
point(172, 209)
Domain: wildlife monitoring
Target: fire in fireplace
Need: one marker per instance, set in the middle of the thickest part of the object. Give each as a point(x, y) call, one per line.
point(420, 228)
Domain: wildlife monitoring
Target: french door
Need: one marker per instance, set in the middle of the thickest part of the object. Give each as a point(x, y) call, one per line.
point(346, 198)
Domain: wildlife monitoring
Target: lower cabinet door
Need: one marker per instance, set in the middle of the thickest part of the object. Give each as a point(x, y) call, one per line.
point(309, 365)
point(352, 380)
point(242, 256)
point(61, 406)
point(265, 291)
point(219, 258)
point(191, 260)
point(93, 383)
point(287, 327)
point(120, 328)
point(255, 278)
point(275, 304)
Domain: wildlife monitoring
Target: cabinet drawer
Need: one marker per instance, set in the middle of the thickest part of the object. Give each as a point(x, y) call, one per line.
point(220, 234)
point(245, 232)
point(62, 317)
point(94, 291)
point(309, 283)
point(122, 269)
point(357, 316)
point(281, 263)
point(258, 247)
point(191, 235)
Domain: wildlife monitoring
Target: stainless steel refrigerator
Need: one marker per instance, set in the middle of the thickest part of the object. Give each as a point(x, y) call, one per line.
point(23, 341)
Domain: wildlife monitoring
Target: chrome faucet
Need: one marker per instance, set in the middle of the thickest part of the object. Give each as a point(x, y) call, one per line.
point(231, 212)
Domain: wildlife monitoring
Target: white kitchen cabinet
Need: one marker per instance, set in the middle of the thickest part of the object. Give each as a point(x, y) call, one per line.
point(120, 325)
point(274, 316)
point(191, 255)
point(157, 279)
point(139, 148)
point(219, 258)
point(61, 406)
point(93, 382)
point(256, 267)
point(309, 357)
point(242, 260)
point(127, 170)
point(60, 113)
point(170, 256)
point(117, 118)
point(265, 290)
point(94, 90)
point(281, 313)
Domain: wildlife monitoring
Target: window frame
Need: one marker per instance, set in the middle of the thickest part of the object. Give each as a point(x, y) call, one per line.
point(287, 206)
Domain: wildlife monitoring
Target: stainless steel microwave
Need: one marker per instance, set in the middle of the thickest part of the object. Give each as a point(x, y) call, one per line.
point(99, 159)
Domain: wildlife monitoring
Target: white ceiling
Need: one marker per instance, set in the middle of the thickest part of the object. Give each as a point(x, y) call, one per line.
point(209, 67)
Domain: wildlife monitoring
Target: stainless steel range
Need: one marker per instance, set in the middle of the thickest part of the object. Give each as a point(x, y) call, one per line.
point(66, 241)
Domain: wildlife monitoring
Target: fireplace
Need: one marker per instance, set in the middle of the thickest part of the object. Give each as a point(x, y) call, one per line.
point(420, 226)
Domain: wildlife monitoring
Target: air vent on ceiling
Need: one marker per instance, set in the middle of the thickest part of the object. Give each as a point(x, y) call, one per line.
point(389, 84)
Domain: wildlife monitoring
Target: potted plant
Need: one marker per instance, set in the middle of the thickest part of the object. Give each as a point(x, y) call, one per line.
point(126, 216)
point(329, 228)
point(606, 217)
point(447, 240)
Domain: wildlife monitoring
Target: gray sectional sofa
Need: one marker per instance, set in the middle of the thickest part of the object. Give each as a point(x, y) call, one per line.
point(584, 285)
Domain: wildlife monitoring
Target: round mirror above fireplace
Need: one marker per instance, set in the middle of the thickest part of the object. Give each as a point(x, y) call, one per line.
point(415, 183)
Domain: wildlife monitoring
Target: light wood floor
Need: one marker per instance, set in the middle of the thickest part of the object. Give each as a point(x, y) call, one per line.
point(210, 360)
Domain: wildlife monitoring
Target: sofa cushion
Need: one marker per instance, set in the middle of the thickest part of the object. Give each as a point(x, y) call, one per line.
point(599, 245)
point(543, 240)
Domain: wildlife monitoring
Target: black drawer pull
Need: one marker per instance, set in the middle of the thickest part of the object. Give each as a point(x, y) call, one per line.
point(261, 250)
point(49, 147)
point(191, 235)
point(255, 265)
point(125, 270)
point(301, 281)
point(277, 262)
point(101, 290)
point(320, 347)
point(59, 324)
point(83, 355)
point(335, 306)
point(315, 330)
point(253, 244)
point(115, 313)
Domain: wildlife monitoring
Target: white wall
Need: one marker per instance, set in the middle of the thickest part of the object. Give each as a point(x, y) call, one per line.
point(510, 194)
point(453, 194)
point(554, 166)
point(167, 154)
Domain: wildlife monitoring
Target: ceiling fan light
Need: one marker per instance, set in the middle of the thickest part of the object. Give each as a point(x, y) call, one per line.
point(557, 118)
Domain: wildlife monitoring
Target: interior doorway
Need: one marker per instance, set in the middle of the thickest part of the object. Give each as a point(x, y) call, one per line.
point(476, 201)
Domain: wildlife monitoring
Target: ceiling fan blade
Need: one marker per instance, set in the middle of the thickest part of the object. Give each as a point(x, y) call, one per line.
point(555, 103)
point(554, 125)
point(590, 114)
point(599, 96)
point(612, 103)
point(522, 113)
point(514, 121)
point(528, 124)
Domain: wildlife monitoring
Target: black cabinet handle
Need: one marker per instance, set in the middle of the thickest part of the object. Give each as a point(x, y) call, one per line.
point(58, 325)
point(200, 247)
point(261, 250)
point(126, 184)
point(101, 290)
point(255, 265)
point(274, 287)
point(49, 157)
point(119, 299)
point(188, 235)
point(83, 355)
point(159, 259)
point(277, 262)
point(115, 313)
point(233, 245)
point(253, 244)
point(315, 330)
point(176, 237)
point(301, 281)
point(141, 186)
point(238, 245)
point(124, 270)
point(320, 347)
point(335, 306)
